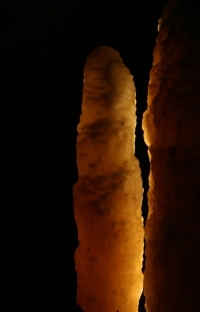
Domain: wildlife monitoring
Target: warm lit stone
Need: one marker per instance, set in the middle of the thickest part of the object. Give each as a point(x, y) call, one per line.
point(108, 195)
point(172, 132)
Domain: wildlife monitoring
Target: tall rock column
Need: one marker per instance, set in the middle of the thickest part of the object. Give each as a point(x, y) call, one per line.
point(171, 127)
point(108, 194)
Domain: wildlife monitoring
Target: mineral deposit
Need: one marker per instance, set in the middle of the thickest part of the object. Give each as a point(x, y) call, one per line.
point(108, 194)
point(172, 132)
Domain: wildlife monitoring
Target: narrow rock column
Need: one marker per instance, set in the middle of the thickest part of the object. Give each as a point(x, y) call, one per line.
point(171, 127)
point(108, 194)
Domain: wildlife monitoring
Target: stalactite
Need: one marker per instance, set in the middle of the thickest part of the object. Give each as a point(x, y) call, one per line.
point(108, 194)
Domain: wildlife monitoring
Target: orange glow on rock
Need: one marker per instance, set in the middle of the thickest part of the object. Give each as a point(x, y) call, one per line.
point(108, 194)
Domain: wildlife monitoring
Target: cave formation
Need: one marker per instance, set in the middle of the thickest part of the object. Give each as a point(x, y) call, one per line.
point(108, 210)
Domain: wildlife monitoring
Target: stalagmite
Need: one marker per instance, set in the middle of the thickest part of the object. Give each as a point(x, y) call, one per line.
point(171, 127)
point(108, 194)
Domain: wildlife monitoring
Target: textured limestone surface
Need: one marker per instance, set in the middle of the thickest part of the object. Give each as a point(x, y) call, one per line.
point(172, 132)
point(108, 194)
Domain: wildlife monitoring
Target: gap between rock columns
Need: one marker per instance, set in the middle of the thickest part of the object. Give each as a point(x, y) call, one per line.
point(108, 194)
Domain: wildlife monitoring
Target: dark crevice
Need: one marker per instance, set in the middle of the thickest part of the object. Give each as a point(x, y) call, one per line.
point(142, 155)
point(142, 303)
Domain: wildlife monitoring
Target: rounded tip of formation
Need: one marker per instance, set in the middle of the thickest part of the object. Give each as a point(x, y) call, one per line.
point(106, 50)
point(102, 55)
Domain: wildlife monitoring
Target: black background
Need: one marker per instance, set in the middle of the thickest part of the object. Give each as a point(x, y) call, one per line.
point(45, 45)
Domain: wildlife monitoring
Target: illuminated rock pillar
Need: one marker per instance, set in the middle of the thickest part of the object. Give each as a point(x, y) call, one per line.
point(108, 194)
point(172, 132)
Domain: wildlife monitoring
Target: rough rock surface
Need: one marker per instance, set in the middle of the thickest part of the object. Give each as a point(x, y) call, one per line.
point(171, 127)
point(108, 195)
